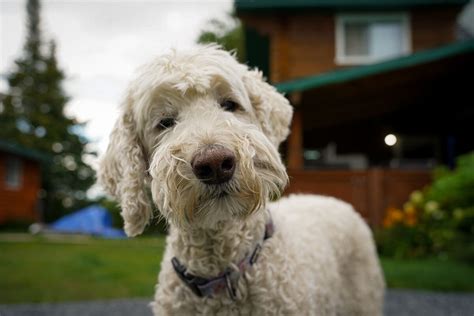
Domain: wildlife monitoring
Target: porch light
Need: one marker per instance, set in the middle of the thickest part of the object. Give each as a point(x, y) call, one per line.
point(390, 140)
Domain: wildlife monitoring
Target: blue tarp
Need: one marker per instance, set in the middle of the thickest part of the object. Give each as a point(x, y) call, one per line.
point(93, 220)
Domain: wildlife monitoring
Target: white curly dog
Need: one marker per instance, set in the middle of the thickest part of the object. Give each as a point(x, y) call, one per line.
point(199, 134)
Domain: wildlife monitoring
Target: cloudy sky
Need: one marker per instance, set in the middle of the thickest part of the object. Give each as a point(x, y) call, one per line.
point(101, 43)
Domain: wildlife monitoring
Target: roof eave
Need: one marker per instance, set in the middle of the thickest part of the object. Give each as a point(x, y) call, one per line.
point(345, 75)
point(265, 6)
point(27, 153)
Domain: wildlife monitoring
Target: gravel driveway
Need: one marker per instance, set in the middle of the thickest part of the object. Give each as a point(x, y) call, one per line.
point(398, 302)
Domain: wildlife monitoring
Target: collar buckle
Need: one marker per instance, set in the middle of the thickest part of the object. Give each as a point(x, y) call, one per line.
point(231, 281)
point(254, 256)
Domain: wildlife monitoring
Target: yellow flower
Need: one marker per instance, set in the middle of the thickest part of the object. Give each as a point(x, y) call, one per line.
point(409, 208)
point(396, 215)
point(431, 207)
point(416, 197)
point(392, 217)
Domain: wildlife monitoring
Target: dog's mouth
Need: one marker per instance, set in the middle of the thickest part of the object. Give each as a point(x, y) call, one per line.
point(220, 192)
point(219, 195)
point(216, 192)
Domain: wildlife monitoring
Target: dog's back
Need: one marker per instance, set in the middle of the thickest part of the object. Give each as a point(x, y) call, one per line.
point(335, 253)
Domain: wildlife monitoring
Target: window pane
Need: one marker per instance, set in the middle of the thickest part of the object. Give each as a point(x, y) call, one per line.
point(385, 40)
point(356, 39)
point(13, 173)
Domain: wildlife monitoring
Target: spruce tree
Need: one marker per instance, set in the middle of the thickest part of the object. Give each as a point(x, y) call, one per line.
point(33, 116)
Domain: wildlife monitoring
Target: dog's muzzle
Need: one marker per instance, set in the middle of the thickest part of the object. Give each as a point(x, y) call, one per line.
point(214, 164)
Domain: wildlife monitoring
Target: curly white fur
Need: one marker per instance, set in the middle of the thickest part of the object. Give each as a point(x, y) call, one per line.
point(321, 260)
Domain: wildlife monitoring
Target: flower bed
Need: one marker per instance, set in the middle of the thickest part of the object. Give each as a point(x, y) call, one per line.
point(436, 221)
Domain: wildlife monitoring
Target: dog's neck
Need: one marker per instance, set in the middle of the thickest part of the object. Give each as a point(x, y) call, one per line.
point(209, 252)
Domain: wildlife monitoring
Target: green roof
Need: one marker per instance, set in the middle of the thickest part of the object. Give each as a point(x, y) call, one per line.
point(340, 76)
point(261, 5)
point(15, 149)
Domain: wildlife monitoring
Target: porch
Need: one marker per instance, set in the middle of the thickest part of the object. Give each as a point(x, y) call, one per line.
point(371, 135)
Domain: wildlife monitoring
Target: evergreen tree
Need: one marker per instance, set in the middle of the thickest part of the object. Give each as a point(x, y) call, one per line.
point(33, 116)
point(229, 34)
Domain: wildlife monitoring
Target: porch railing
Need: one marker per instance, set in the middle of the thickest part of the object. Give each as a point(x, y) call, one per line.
point(370, 191)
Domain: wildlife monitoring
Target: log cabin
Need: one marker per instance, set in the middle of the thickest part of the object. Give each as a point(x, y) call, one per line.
point(381, 91)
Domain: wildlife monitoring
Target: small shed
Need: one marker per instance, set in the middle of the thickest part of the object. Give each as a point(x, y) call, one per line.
point(20, 183)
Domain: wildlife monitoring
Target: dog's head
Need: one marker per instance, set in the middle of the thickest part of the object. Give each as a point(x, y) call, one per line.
point(201, 131)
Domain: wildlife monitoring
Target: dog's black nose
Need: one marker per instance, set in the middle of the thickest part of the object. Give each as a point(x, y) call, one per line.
point(214, 164)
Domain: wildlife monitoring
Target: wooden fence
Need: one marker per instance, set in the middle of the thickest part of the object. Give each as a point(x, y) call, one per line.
point(371, 191)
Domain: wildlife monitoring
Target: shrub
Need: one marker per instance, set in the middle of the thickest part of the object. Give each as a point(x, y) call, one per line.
point(437, 221)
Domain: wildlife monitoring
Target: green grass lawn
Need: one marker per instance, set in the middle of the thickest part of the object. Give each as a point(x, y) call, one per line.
point(40, 270)
point(429, 274)
point(46, 271)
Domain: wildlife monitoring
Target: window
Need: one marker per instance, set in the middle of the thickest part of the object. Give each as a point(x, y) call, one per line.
point(364, 38)
point(14, 173)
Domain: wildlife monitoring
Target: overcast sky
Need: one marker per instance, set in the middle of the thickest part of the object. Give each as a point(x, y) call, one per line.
point(101, 43)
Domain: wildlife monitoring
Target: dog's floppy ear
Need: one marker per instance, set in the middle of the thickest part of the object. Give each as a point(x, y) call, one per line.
point(122, 172)
point(273, 110)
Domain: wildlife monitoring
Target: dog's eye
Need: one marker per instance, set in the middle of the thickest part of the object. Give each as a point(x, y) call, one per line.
point(229, 105)
point(166, 123)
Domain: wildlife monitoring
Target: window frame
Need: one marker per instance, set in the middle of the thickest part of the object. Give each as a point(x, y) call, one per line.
point(342, 18)
point(17, 182)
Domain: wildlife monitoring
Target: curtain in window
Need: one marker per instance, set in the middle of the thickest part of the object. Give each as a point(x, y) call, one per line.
point(356, 38)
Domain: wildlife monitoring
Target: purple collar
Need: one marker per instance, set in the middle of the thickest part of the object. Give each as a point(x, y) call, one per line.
point(227, 280)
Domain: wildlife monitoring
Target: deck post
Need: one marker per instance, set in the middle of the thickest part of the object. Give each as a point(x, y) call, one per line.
point(295, 139)
point(376, 196)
